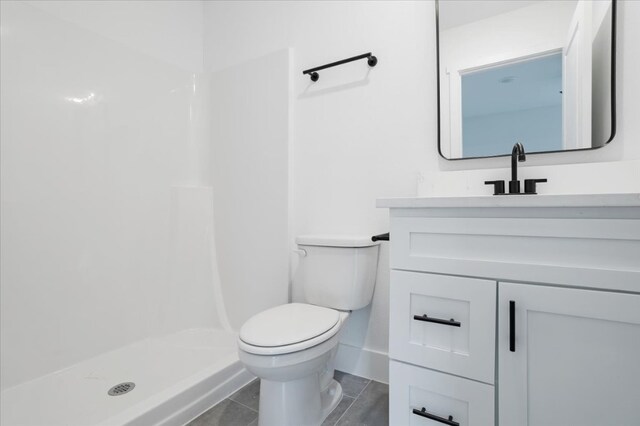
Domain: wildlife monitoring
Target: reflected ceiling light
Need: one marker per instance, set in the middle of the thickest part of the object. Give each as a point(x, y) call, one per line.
point(90, 97)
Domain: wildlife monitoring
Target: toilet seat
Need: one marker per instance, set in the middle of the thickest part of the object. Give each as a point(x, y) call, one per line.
point(288, 328)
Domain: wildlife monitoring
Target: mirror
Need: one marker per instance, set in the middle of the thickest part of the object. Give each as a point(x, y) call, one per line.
point(541, 73)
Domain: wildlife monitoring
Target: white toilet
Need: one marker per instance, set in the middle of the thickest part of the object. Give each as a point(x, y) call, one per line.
point(292, 347)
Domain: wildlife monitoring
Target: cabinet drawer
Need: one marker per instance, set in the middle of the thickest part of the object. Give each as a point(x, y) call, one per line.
point(464, 346)
point(412, 388)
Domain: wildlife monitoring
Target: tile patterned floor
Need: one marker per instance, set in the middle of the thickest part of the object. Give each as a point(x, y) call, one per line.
point(365, 403)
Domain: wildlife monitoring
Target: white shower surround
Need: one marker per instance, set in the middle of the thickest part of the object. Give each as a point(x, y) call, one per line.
point(109, 269)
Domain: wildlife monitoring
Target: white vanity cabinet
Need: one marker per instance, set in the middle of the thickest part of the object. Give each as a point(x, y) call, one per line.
point(517, 311)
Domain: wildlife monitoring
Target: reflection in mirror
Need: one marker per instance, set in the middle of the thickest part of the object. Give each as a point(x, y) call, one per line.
point(535, 72)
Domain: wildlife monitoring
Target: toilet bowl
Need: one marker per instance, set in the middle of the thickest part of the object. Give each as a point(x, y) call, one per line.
point(292, 347)
point(296, 366)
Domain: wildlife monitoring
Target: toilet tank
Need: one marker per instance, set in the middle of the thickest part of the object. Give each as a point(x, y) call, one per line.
point(337, 271)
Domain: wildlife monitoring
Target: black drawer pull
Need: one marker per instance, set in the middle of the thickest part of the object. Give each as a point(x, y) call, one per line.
point(451, 322)
point(425, 413)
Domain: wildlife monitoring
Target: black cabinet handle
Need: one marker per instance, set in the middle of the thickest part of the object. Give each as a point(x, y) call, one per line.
point(451, 322)
point(428, 415)
point(512, 325)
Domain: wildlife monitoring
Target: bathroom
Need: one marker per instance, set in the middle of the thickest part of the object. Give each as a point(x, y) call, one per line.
point(160, 161)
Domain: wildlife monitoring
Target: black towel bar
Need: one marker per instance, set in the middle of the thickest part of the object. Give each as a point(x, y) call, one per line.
point(313, 72)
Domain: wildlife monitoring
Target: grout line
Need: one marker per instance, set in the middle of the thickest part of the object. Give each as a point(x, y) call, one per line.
point(240, 390)
point(245, 406)
point(345, 411)
point(353, 402)
point(365, 386)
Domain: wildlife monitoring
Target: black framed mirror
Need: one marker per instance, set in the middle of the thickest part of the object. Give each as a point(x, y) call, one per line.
point(539, 72)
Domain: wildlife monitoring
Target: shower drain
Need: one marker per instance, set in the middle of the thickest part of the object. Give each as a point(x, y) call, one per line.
point(121, 388)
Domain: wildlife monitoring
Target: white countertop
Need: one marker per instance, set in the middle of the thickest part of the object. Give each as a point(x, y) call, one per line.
point(567, 200)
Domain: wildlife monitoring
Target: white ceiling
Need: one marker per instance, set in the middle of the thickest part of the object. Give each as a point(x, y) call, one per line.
point(454, 13)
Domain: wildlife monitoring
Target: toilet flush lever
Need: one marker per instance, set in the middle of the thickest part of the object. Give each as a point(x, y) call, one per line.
point(301, 252)
point(381, 237)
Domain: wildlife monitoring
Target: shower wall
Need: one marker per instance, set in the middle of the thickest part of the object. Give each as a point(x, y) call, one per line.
point(250, 172)
point(106, 229)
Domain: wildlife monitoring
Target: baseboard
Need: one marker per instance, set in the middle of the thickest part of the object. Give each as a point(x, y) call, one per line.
point(363, 362)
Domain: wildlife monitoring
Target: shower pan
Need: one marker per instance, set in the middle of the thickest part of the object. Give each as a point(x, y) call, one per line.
point(176, 377)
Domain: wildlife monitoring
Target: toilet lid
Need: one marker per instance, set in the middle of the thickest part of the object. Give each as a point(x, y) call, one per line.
point(288, 324)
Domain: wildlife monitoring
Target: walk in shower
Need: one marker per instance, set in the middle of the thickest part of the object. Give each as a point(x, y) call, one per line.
point(126, 219)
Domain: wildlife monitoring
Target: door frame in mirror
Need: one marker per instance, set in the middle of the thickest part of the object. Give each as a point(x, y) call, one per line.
point(614, 13)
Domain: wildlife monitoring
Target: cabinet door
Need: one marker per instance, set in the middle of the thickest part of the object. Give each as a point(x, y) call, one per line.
point(568, 357)
point(444, 323)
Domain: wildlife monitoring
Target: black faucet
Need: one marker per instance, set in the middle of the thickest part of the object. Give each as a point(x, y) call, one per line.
point(517, 153)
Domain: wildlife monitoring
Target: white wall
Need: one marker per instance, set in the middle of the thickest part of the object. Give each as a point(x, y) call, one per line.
point(170, 30)
point(360, 134)
point(102, 243)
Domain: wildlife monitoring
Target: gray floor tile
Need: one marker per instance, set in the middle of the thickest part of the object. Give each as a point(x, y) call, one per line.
point(365, 402)
point(338, 411)
point(351, 385)
point(370, 409)
point(226, 413)
point(248, 395)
